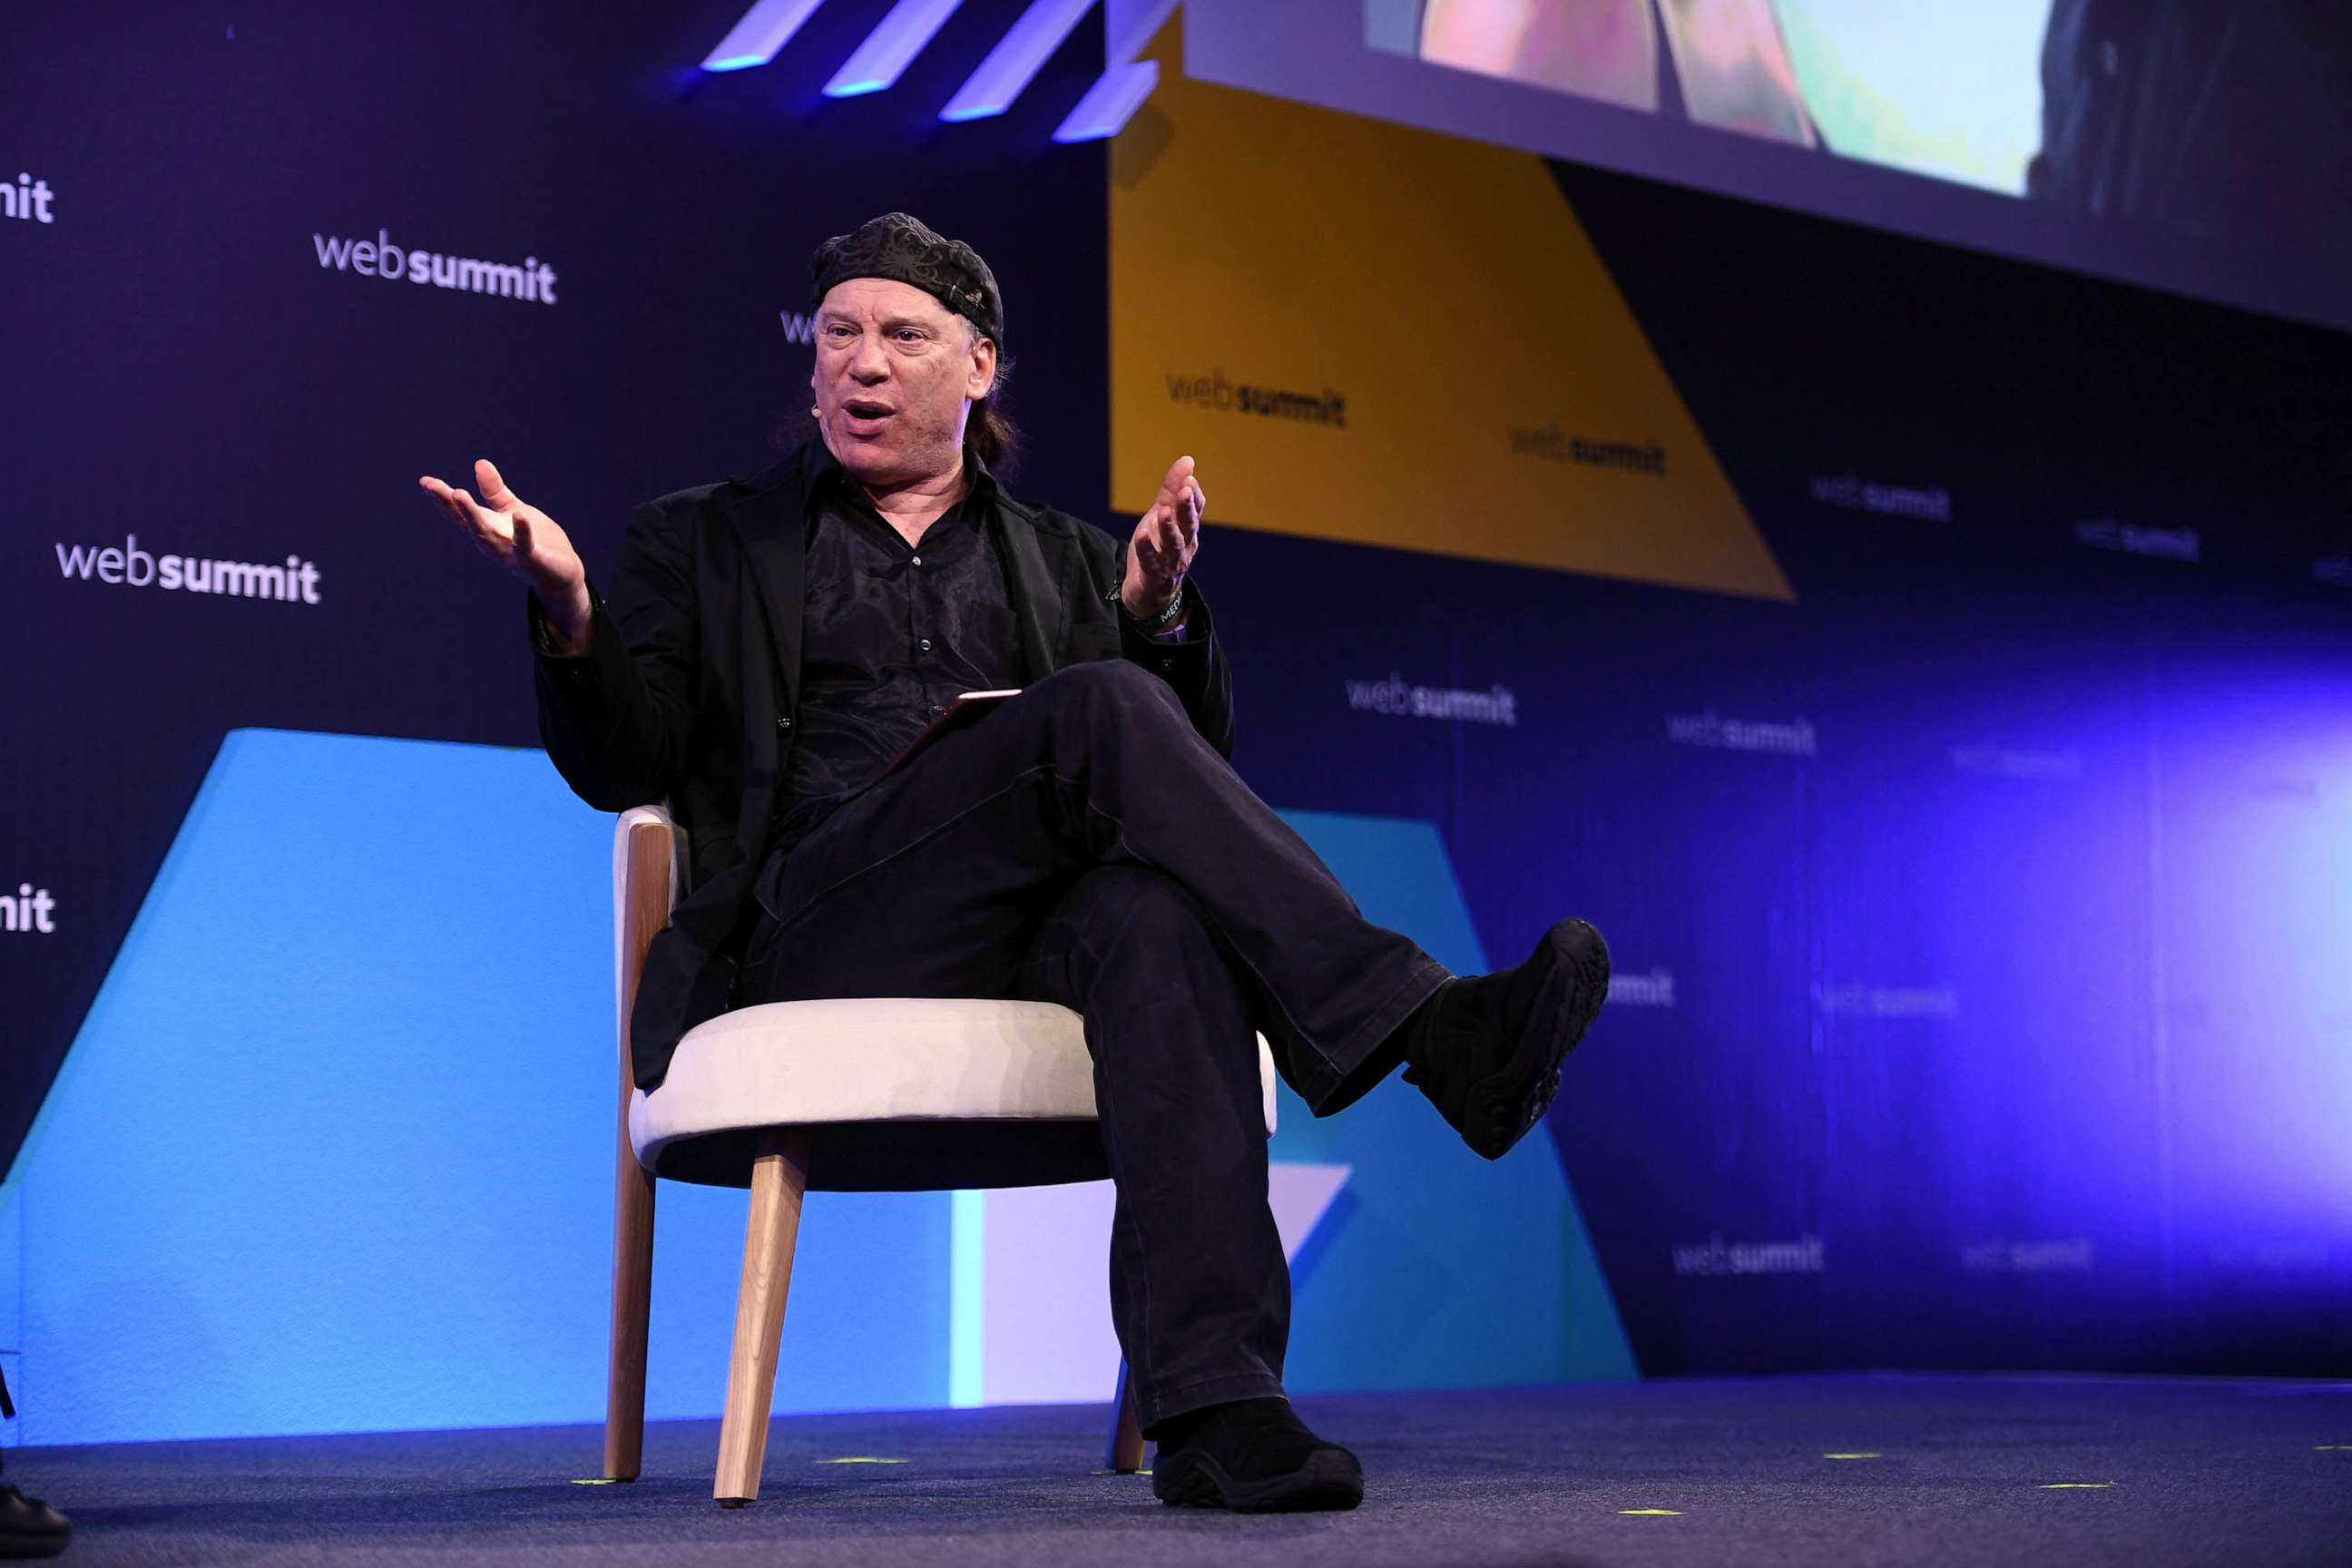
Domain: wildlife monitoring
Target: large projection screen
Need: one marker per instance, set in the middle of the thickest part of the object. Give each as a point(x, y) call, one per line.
point(2203, 147)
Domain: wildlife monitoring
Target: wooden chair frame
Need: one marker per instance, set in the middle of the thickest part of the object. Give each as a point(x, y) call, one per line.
point(652, 854)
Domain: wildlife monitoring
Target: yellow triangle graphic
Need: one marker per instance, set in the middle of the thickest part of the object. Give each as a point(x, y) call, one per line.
point(1370, 332)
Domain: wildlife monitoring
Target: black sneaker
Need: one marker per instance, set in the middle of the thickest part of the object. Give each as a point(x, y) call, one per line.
point(29, 1526)
point(1487, 1048)
point(1253, 1455)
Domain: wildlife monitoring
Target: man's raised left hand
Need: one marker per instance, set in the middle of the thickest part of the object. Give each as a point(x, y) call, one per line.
point(1166, 540)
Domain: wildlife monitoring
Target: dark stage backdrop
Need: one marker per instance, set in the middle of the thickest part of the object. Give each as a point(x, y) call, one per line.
point(199, 364)
point(1930, 671)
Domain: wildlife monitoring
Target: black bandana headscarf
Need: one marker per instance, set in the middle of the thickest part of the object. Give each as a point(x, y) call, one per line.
point(900, 248)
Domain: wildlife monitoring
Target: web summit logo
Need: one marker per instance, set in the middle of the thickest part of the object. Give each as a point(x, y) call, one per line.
point(297, 582)
point(1214, 391)
point(1394, 699)
point(1798, 1255)
point(1851, 492)
point(2168, 543)
point(1656, 989)
point(1999, 1255)
point(1556, 445)
point(28, 909)
point(1792, 737)
point(533, 279)
point(29, 199)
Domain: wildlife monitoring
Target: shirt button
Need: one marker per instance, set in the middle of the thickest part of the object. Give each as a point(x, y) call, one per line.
point(924, 645)
point(782, 725)
point(919, 561)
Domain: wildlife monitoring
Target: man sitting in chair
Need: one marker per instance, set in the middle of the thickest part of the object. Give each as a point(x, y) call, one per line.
point(769, 646)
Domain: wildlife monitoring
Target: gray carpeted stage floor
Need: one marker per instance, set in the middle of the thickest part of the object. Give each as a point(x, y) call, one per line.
point(1960, 1470)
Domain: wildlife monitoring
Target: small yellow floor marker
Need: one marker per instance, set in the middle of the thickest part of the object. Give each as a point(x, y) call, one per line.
point(599, 1481)
point(1654, 1512)
point(861, 1460)
point(2076, 1485)
point(1851, 1456)
point(2332, 1447)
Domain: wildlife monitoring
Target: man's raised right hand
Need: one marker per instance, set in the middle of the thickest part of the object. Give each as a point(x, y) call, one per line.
point(528, 544)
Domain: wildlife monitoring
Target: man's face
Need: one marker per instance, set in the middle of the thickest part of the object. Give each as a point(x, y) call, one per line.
point(896, 374)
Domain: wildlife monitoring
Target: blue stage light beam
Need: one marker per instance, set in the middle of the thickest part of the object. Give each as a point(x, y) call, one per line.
point(1017, 59)
point(762, 32)
point(890, 47)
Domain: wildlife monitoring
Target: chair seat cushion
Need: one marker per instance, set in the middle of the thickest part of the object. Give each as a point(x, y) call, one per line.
point(902, 1094)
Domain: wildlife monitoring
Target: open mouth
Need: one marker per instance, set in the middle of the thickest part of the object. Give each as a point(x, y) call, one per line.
point(865, 411)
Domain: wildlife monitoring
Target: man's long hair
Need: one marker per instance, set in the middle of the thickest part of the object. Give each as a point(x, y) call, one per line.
point(991, 434)
point(987, 430)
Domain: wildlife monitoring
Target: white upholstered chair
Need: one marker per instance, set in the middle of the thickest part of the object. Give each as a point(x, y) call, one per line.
point(867, 1095)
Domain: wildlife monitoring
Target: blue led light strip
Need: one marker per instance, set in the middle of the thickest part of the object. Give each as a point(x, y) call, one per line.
point(890, 47)
point(910, 26)
point(1111, 102)
point(765, 28)
point(1128, 26)
point(1016, 60)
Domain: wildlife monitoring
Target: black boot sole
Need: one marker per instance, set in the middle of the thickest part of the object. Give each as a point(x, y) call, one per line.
point(1330, 1479)
point(1503, 1107)
point(25, 1544)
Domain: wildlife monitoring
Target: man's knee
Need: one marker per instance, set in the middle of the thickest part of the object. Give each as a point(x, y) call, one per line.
point(1115, 688)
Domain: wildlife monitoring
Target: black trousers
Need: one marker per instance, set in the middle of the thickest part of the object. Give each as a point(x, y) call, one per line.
point(1084, 845)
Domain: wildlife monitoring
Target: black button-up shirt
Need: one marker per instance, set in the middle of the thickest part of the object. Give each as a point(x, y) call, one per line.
point(890, 633)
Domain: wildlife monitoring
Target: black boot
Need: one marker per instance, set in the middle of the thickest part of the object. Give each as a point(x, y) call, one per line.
point(1487, 1048)
point(29, 1526)
point(1253, 1455)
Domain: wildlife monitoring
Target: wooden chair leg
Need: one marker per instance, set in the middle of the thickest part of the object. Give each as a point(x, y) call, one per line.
point(648, 874)
point(1126, 1454)
point(778, 1182)
point(632, 1288)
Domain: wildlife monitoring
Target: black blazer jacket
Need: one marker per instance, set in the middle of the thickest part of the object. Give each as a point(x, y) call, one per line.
point(687, 691)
